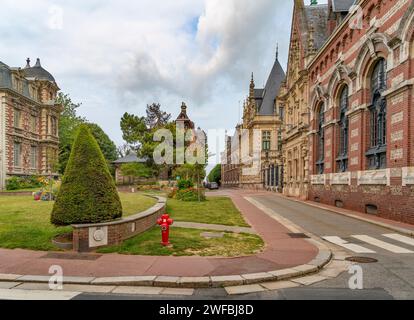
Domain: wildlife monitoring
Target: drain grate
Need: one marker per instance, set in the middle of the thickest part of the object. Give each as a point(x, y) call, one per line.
point(72, 256)
point(361, 259)
point(298, 236)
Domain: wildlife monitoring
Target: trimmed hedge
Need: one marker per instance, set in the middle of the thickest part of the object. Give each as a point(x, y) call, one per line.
point(88, 193)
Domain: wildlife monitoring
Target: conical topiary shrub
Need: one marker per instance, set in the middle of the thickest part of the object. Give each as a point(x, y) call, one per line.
point(88, 193)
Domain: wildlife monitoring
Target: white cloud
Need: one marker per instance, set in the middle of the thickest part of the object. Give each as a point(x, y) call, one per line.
point(119, 55)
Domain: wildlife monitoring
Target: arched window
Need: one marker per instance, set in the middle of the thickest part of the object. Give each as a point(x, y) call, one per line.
point(377, 154)
point(342, 160)
point(320, 162)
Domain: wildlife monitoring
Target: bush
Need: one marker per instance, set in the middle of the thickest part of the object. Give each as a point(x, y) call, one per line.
point(19, 183)
point(184, 184)
point(190, 194)
point(173, 193)
point(88, 193)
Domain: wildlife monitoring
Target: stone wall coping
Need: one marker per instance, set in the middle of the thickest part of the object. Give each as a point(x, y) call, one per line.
point(160, 203)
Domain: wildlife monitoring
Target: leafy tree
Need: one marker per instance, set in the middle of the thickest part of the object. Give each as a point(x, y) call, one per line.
point(107, 146)
point(68, 125)
point(139, 170)
point(215, 174)
point(156, 118)
point(88, 193)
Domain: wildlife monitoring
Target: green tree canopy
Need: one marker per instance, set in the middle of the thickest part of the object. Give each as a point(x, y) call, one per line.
point(68, 125)
point(215, 174)
point(88, 193)
point(139, 170)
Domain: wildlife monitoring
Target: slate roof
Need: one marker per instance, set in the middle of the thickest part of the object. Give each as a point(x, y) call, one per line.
point(131, 158)
point(267, 104)
point(342, 5)
point(38, 72)
point(317, 17)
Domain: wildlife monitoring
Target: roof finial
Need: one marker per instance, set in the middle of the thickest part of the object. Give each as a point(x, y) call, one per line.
point(277, 51)
point(38, 63)
point(28, 63)
point(252, 85)
point(183, 107)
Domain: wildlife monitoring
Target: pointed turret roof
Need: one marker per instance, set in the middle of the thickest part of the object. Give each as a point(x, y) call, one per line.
point(266, 103)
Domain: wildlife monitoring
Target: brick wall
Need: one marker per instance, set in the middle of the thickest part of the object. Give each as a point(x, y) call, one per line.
point(348, 58)
point(117, 231)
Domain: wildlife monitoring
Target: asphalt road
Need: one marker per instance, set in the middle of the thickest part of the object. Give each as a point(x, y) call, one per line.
point(393, 273)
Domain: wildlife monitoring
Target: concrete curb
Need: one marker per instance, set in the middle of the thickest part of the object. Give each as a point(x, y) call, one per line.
point(404, 231)
point(314, 266)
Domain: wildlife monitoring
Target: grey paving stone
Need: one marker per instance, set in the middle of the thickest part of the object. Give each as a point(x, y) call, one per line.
point(258, 277)
point(177, 292)
point(125, 281)
point(285, 273)
point(194, 282)
point(307, 281)
point(306, 268)
point(277, 285)
point(163, 281)
point(226, 281)
point(8, 285)
point(251, 288)
point(137, 290)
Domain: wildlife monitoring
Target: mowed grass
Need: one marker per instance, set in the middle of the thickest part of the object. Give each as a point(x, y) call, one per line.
point(25, 223)
point(188, 242)
point(215, 210)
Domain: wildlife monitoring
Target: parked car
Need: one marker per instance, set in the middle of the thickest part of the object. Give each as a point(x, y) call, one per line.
point(213, 186)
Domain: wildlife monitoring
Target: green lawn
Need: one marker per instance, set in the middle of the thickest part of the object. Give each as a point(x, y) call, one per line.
point(25, 223)
point(188, 242)
point(215, 210)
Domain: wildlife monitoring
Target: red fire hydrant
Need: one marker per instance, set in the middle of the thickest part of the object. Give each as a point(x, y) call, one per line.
point(165, 221)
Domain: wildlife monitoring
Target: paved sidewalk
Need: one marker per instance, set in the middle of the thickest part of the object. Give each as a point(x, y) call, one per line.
point(281, 252)
point(214, 227)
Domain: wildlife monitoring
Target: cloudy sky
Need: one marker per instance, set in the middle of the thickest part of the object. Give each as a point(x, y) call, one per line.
point(116, 56)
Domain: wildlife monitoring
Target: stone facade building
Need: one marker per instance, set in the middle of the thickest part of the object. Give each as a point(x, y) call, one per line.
point(253, 154)
point(29, 122)
point(362, 100)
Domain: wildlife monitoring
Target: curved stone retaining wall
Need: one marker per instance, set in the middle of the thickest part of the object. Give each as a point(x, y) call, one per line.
point(89, 237)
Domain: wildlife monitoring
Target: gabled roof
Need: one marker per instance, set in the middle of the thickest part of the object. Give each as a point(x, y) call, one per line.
point(342, 5)
point(130, 158)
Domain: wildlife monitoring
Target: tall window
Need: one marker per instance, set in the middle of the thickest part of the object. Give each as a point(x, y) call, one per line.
point(266, 138)
point(342, 160)
point(53, 122)
point(17, 154)
point(279, 140)
point(320, 162)
point(17, 116)
point(33, 123)
point(33, 157)
point(377, 154)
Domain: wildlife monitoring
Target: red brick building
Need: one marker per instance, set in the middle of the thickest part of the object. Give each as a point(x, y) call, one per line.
point(362, 103)
point(29, 122)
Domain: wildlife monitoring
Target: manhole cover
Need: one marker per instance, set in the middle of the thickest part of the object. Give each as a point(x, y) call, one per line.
point(361, 259)
point(71, 256)
point(298, 235)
